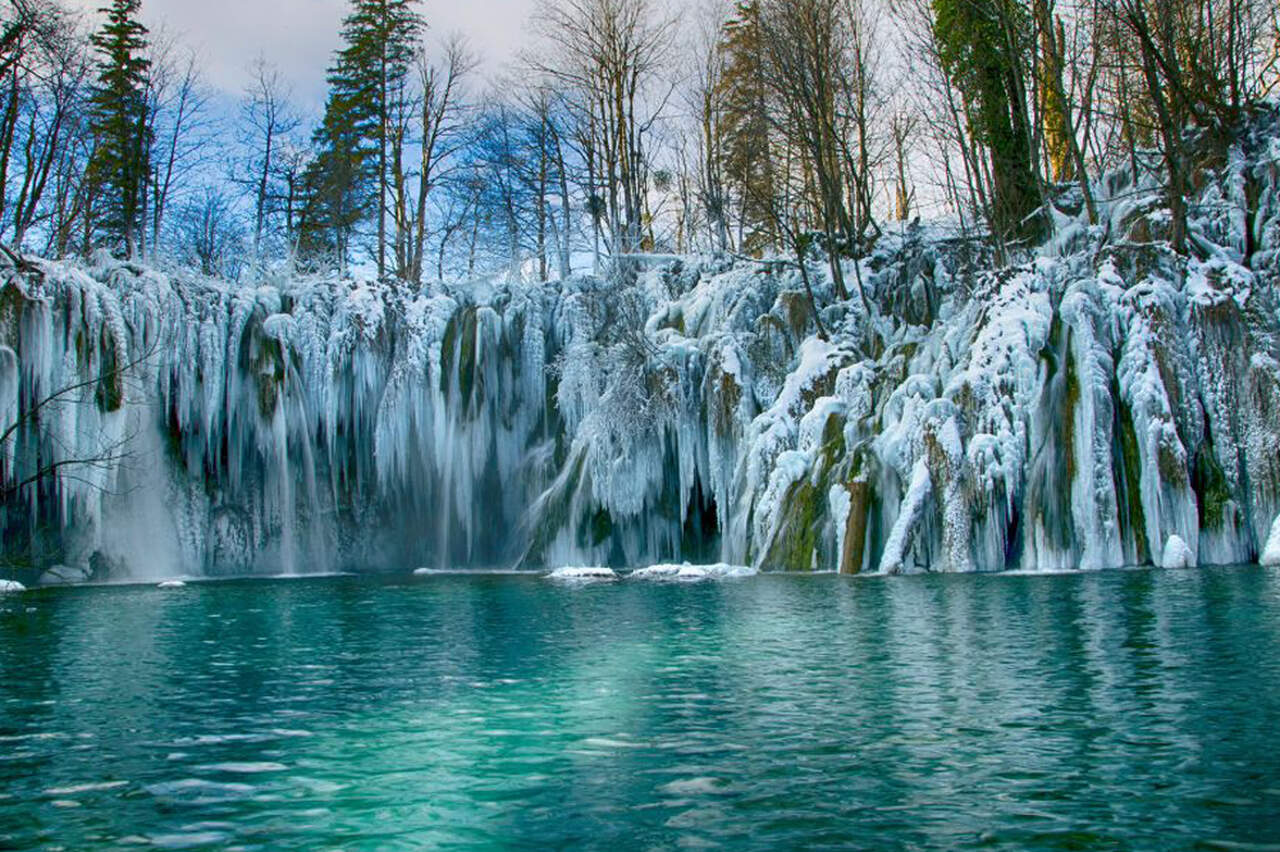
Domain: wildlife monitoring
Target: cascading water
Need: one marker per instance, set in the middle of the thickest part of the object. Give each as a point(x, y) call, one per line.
point(1103, 403)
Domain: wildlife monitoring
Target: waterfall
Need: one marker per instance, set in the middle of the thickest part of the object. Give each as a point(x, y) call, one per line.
point(1092, 405)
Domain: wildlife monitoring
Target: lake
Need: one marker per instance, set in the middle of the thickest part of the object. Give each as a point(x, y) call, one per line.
point(1116, 710)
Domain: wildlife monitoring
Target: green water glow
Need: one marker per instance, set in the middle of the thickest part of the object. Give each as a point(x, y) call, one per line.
point(1122, 710)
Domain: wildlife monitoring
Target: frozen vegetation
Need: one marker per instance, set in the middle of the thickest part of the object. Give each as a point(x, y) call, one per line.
point(1098, 402)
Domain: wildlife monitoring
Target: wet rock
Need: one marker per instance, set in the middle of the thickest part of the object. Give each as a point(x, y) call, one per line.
point(64, 575)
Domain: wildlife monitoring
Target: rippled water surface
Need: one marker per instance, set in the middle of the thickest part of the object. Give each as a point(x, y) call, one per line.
point(1117, 710)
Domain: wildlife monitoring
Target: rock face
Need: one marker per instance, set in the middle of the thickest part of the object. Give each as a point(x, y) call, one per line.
point(1098, 402)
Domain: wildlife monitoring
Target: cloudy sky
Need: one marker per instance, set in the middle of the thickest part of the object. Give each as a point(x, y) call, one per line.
point(299, 36)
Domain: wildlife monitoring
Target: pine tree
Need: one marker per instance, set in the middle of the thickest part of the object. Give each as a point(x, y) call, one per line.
point(118, 119)
point(335, 186)
point(748, 154)
point(349, 176)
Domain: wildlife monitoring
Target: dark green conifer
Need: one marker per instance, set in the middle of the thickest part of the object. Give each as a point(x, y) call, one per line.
point(748, 158)
point(118, 119)
point(348, 180)
point(983, 45)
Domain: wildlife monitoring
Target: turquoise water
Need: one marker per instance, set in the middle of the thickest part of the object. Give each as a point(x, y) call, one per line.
point(1106, 711)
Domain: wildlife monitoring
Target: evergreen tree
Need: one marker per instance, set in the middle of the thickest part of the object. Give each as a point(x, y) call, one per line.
point(118, 120)
point(748, 157)
point(982, 45)
point(335, 186)
point(349, 175)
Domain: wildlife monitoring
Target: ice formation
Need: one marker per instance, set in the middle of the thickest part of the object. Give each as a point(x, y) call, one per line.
point(691, 573)
point(1271, 551)
point(1099, 402)
point(577, 573)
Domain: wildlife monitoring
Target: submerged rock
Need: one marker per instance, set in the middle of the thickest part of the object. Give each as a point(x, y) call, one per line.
point(64, 575)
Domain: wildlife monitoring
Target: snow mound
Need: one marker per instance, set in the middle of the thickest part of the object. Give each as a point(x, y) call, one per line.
point(1177, 554)
point(1271, 553)
point(422, 572)
point(692, 573)
point(582, 574)
point(171, 584)
point(11, 586)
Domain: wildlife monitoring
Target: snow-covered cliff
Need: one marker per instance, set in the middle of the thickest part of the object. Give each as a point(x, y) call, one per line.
point(1101, 402)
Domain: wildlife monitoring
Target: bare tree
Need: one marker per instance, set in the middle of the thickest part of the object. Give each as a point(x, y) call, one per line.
point(288, 171)
point(902, 127)
point(267, 122)
point(550, 118)
point(609, 58)
point(708, 103)
point(183, 128)
point(805, 43)
point(959, 174)
point(442, 115)
point(210, 236)
point(51, 102)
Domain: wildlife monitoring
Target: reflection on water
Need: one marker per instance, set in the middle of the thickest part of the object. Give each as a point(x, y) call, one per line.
point(1115, 710)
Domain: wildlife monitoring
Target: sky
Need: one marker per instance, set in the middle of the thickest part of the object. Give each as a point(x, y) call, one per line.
point(299, 36)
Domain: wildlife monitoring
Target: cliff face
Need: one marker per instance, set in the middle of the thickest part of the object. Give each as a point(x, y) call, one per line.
point(1103, 402)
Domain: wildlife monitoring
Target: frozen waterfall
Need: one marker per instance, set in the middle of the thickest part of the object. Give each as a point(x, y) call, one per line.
point(1101, 402)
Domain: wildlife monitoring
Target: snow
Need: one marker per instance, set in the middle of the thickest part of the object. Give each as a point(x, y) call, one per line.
point(11, 587)
point(1177, 554)
point(840, 505)
point(582, 573)
point(171, 584)
point(686, 572)
point(913, 506)
point(10, 384)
